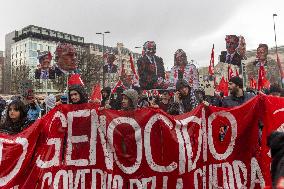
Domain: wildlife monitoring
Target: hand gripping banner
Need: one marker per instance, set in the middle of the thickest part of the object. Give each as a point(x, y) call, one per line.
point(77, 146)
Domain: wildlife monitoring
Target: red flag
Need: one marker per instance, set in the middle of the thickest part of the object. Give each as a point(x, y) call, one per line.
point(230, 72)
point(211, 66)
point(75, 79)
point(237, 72)
point(96, 92)
point(261, 78)
point(118, 84)
point(252, 83)
point(223, 86)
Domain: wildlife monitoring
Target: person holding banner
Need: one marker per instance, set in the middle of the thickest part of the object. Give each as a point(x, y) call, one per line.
point(16, 118)
point(237, 95)
point(129, 100)
point(77, 94)
point(184, 99)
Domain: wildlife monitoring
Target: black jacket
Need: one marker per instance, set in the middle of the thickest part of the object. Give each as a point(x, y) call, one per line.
point(14, 128)
point(236, 60)
point(51, 73)
point(232, 101)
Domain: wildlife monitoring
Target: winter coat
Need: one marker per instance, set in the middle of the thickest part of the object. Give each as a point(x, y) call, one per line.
point(33, 112)
point(187, 104)
point(232, 101)
point(14, 128)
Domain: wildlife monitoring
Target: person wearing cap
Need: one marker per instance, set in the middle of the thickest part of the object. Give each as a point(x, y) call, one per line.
point(129, 100)
point(110, 67)
point(237, 95)
point(236, 98)
point(184, 99)
point(77, 94)
point(45, 71)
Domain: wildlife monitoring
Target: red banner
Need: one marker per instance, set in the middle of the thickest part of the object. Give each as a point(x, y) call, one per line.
point(76, 146)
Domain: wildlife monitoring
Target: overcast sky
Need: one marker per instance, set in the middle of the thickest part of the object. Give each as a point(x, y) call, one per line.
point(192, 25)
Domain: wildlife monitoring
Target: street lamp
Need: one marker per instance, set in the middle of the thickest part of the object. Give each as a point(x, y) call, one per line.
point(276, 49)
point(103, 34)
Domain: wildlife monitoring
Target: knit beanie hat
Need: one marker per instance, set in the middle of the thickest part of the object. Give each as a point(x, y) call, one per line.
point(133, 96)
point(237, 80)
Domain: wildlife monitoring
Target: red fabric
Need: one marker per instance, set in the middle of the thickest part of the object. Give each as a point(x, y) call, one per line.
point(75, 79)
point(230, 72)
point(77, 146)
point(211, 66)
point(223, 86)
point(237, 73)
point(96, 92)
point(118, 84)
point(252, 83)
point(262, 81)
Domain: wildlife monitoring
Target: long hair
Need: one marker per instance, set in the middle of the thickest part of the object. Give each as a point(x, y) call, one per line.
point(19, 106)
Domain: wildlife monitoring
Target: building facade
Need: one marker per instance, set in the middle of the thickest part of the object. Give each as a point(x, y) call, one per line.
point(2, 60)
point(22, 49)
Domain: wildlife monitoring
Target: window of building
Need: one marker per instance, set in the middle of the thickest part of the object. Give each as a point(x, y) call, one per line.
point(41, 47)
point(34, 47)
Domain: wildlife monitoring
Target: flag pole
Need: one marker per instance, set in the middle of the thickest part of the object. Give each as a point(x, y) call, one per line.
point(276, 51)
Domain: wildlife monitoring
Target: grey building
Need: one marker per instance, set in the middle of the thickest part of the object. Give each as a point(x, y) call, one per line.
point(21, 49)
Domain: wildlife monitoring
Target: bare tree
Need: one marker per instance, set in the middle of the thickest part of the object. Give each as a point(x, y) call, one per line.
point(90, 66)
point(19, 73)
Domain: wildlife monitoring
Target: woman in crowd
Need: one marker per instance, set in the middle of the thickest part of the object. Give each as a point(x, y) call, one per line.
point(16, 118)
point(77, 94)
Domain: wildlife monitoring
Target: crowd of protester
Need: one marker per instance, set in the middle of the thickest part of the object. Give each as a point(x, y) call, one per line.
point(20, 112)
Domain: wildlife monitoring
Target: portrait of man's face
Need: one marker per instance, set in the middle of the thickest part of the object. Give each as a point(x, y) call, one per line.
point(66, 57)
point(67, 62)
point(232, 42)
point(261, 53)
point(45, 63)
